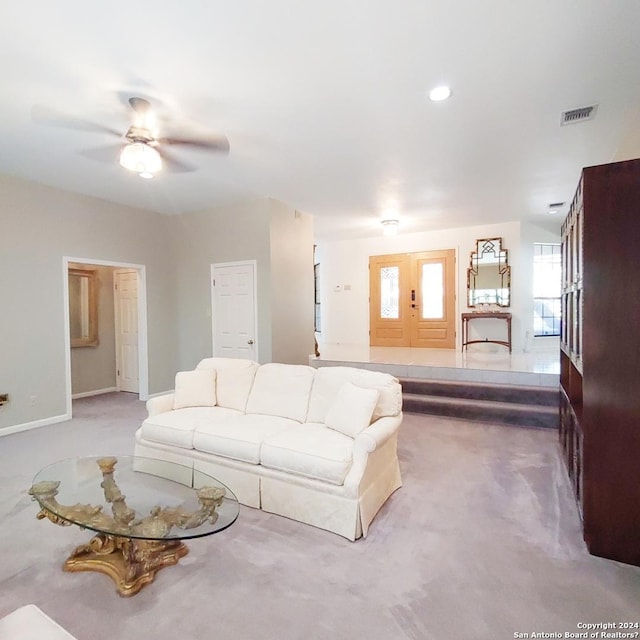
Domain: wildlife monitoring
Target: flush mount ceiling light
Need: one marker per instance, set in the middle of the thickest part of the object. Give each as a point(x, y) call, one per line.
point(390, 227)
point(141, 158)
point(438, 94)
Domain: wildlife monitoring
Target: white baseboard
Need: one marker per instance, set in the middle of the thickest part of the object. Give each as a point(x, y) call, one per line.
point(36, 424)
point(97, 392)
point(161, 393)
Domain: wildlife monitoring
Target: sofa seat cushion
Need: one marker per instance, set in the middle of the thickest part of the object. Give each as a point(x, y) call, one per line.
point(312, 450)
point(240, 437)
point(177, 427)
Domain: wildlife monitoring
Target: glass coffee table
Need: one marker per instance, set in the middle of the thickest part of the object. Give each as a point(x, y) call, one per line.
point(140, 509)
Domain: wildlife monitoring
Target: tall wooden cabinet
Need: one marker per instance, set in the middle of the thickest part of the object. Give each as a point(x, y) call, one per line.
point(600, 357)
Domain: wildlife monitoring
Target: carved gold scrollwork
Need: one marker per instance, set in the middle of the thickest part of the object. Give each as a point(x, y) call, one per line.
point(132, 562)
point(43, 513)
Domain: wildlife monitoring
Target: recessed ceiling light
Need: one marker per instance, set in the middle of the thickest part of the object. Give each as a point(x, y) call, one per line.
point(438, 94)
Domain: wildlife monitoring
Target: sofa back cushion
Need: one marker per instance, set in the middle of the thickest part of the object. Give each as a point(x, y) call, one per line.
point(281, 390)
point(234, 379)
point(329, 380)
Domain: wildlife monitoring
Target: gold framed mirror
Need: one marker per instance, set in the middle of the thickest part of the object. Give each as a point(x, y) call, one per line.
point(489, 275)
point(83, 307)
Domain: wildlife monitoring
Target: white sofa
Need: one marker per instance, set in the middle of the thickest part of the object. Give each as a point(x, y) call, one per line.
point(315, 445)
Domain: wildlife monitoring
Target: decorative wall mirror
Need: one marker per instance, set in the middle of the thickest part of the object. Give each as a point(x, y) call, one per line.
point(83, 307)
point(489, 275)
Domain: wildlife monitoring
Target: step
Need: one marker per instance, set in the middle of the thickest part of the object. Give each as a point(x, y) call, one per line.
point(508, 413)
point(518, 394)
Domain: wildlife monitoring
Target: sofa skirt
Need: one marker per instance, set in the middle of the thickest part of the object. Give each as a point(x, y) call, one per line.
point(345, 510)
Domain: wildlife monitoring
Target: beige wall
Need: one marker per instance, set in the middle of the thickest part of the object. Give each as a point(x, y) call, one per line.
point(223, 234)
point(280, 242)
point(292, 311)
point(94, 368)
point(40, 225)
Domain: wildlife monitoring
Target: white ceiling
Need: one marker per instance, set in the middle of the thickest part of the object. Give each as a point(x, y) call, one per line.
point(324, 104)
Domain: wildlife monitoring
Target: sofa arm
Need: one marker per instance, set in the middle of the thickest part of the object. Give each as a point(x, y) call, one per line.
point(160, 404)
point(369, 451)
point(377, 433)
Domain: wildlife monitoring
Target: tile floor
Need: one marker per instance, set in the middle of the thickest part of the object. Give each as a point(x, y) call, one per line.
point(539, 367)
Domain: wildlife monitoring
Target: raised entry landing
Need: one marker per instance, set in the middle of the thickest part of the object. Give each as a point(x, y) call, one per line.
point(535, 368)
point(520, 389)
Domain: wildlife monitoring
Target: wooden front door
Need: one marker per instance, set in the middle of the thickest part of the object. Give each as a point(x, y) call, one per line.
point(412, 300)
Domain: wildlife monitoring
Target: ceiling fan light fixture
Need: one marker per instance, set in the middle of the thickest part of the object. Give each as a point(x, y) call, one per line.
point(141, 158)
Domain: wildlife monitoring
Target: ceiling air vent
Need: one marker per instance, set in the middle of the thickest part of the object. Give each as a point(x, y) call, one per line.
point(578, 115)
point(554, 207)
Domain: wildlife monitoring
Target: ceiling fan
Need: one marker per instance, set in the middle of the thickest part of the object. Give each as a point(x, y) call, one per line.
point(144, 151)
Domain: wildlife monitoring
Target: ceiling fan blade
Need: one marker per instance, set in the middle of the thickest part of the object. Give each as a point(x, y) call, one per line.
point(109, 154)
point(50, 117)
point(139, 105)
point(215, 143)
point(173, 164)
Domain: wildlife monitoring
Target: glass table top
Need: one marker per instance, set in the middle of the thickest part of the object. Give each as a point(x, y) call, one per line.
point(135, 497)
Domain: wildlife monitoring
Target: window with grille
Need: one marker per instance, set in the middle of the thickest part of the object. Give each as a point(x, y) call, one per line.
point(547, 274)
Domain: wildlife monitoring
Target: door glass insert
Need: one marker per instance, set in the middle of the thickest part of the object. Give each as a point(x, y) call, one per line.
point(432, 285)
point(390, 292)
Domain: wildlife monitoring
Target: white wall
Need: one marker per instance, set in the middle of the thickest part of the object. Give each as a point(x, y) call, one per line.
point(40, 225)
point(345, 313)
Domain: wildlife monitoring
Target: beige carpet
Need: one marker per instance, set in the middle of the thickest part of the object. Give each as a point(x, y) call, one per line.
point(482, 542)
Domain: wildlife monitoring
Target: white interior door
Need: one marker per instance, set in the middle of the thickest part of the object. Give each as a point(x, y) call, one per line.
point(125, 283)
point(233, 312)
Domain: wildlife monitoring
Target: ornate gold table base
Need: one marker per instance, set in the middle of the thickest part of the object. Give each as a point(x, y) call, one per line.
point(129, 562)
point(132, 562)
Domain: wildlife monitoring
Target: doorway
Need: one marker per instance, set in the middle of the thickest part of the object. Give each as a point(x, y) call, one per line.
point(125, 298)
point(412, 300)
point(234, 321)
point(136, 317)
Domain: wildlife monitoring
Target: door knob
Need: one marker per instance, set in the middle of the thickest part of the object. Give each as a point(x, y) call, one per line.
point(249, 341)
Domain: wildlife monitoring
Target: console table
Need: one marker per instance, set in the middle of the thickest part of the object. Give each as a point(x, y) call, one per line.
point(485, 314)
